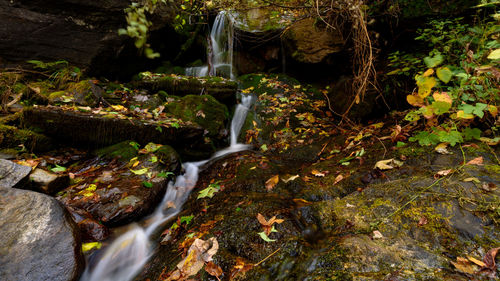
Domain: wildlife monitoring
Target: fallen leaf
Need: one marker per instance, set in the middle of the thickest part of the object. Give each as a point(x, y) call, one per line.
point(464, 266)
point(489, 186)
point(476, 161)
point(290, 178)
point(240, 267)
point(422, 221)
point(264, 237)
point(476, 261)
point(272, 182)
point(213, 269)
point(317, 173)
point(442, 148)
point(476, 180)
point(443, 173)
point(338, 179)
point(388, 164)
point(489, 259)
point(267, 225)
point(377, 235)
point(199, 253)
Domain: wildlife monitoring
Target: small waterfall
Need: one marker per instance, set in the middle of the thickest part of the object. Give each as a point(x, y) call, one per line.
point(220, 50)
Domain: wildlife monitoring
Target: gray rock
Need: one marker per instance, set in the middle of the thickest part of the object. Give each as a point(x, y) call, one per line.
point(39, 239)
point(47, 182)
point(12, 174)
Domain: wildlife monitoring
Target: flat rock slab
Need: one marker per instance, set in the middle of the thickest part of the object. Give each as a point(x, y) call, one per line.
point(12, 174)
point(223, 90)
point(47, 182)
point(97, 129)
point(39, 239)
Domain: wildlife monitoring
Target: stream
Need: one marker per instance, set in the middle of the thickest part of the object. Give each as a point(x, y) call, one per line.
point(124, 258)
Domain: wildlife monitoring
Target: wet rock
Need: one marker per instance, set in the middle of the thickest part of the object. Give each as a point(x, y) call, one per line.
point(223, 90)
point(97, 130)
point(308, 43)
point(39, 239)
point(47, 182)
point(83, 93)
point(13, 175)
point(117, 192)
point(90, 229)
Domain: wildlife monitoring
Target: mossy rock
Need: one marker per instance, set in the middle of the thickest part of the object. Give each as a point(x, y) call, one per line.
point(123, 150)
point(204, 110)
point(80, 93)
point(12, 137)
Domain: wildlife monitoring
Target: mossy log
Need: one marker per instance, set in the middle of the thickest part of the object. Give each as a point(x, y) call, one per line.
point(12, 137)
point(93, 130)
point(221, 89)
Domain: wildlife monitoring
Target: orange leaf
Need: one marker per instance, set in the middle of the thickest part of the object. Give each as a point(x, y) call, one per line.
point(338, 179)
point(272, 182)
point(476, 161)
point(213, 269)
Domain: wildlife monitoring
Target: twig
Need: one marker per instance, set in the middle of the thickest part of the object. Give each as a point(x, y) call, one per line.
point(267, 257)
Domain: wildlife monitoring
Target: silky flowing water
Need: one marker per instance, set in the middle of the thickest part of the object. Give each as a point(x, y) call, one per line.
point(128, 253)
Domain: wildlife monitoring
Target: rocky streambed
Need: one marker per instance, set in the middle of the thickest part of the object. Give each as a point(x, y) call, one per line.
point(309, 201)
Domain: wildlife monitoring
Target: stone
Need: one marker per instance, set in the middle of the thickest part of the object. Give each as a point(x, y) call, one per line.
point(116, 193)
point(308, 43)
point(12, 174)
point(47, 182)
point(39, 241)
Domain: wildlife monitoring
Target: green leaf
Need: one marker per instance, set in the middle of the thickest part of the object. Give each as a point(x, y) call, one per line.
point(140, 171)
point(176, 125)
point(151, 147)
point(186, 219)
point(263, 147)
point(444, 74)
point(164, 174)
point(434, 61)
point(209, 191)
point(451, 137)
point(147, 184)
point(134, 145)
point(264, 237)
point(58, 169)
point(154, 159)
point(425, 138)
point(471, 133)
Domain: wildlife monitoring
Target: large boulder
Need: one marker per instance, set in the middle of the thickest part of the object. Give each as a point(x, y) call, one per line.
point(309, 43)
point(85, 33)
point(39, 239)
point(12, 174)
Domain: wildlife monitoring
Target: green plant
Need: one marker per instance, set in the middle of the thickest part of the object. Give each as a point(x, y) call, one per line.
point(457, 83)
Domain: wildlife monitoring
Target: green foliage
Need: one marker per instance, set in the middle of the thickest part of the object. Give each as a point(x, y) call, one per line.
point(209, 191)
point(457, 82)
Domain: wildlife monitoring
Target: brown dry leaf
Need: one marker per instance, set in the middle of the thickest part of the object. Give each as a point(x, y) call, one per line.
point(272, 182)
point(306, 178)
point(200, 252)
point(442, 173)
point(317, 173)
point(291, 178)
point(240, 267)
point(464, 266)
point(489, 186)
point(388, 164)
point(442, 148)
point(267, 225)
point(213, 269)
point(422, 221)
point(489, 259)
point(476, 161)
point(338, 179)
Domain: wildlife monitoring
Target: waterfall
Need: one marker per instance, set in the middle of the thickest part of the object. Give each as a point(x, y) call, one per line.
point(220, 50)
point(127, 254)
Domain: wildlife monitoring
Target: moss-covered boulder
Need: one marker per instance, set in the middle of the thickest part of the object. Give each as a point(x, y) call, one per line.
point(203, 110)
point(309, 43)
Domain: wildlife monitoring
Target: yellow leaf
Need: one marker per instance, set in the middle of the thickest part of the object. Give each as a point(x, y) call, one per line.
point(493, 110)
point(428, 72)
point(462, 115)
point(415, 100)
point(442, 97)
point(317, 173)
point(118, 107)
point(494, 55)
point(89, 246)
point(425, 85)
point(476, 261)
point(270, 183)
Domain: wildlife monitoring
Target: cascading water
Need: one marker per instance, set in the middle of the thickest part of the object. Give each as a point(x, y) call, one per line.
point(220, 51)
point(126, 256)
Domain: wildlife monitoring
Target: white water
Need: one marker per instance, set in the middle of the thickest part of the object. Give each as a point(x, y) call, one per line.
point(127, 255)
point(220, 51)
